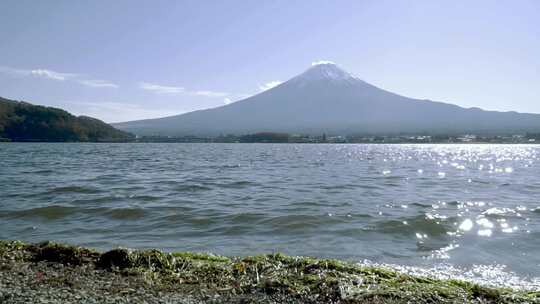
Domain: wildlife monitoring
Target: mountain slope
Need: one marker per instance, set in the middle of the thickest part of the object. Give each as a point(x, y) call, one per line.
point(327, 99)
point(21, 121)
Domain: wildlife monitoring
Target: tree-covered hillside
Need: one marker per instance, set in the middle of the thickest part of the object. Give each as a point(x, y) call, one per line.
point(21, 121)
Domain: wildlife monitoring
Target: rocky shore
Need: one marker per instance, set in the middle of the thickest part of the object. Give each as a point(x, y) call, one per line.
point(56, 273)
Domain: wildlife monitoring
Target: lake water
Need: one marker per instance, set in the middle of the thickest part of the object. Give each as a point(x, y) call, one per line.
point(464, 210)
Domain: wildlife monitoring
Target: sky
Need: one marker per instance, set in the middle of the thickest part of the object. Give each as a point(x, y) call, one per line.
point(127, 60)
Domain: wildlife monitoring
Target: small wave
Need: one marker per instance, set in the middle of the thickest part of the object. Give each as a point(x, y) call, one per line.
point(340, 187)
point(413, 225)
point(55, 212)
point(309, 204)
point(52, 212)
point(237, 185)
point(421, 205)
point(74, 189)
point(247, 218)
point(503, 212)
point(95, 201)
point(125, 213)
point(299, 223)
point(42, 171)
point(485, 275)
point(220, 167)
point(367, 186)
point(144, 198)
point(359, 215)
point(229, 166)
point(536, 210)
point(191, 188)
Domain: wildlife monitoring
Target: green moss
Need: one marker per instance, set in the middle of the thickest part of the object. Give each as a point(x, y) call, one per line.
point(13, 250)
point(297, 279)
point(11, 246)
point(154, 260)
point(201, 257)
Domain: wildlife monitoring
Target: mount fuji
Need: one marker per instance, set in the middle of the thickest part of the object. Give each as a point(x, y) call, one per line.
point(327, 99)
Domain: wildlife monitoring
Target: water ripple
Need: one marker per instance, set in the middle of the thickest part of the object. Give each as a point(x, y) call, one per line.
point(419, 205)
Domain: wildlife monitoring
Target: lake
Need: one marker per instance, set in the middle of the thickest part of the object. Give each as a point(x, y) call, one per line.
point(462, 210)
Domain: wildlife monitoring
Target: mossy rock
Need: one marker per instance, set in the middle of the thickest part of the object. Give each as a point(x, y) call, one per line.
point(115, 258)
point(67, 255)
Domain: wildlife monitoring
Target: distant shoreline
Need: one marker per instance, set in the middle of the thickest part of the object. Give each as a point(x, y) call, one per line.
point(292, 143)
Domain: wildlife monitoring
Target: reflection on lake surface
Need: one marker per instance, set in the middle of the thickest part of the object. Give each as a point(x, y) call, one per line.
point(451, 207)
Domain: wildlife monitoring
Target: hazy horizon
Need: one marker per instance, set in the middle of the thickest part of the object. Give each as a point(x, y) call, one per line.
point(119, 62)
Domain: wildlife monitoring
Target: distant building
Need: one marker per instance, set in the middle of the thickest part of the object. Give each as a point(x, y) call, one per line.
point(467, 138)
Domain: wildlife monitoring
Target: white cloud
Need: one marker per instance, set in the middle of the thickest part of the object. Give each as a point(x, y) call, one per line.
point(57, 76)
point(227, 101)
point(270, 85)
point(209, 93)
point(97, 83)
point(322, 62)
point(160, 89)
point(41, 73)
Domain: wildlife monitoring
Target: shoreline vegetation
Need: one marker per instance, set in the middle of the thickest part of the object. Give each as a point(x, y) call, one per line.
point(284, 138)
point(51, 272)
point(272, 137)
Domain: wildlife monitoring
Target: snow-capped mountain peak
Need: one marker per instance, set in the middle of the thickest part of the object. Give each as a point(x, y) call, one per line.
point(325, 71)
point(327, 99)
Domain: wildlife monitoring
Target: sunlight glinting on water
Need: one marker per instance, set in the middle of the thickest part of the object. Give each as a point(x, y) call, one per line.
point(413, 205)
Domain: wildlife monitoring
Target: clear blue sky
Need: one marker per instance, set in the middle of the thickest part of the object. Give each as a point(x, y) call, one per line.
point(124, 60)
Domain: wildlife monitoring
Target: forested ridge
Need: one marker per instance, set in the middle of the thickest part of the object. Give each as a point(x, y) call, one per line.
point(22, 121)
